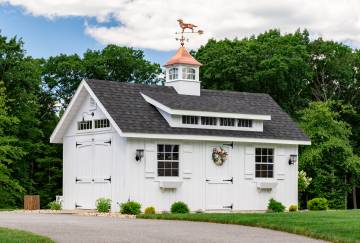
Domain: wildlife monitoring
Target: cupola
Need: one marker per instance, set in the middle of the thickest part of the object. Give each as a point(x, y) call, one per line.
point(182, 73)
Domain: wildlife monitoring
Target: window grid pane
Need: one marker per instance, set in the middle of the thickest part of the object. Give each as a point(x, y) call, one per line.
point(102, 123)
point(208, 121)
point(264, 162)
point(168, 160)
point(228, 122)
point(188, 73)
point(244, 123)
point(173, 73)
point(84, 125)
point(190, 119)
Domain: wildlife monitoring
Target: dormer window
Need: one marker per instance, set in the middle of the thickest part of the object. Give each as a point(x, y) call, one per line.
point(173, 73)
point(188, 73)
point(244, 123)
point(190, 119)
point(227, 122)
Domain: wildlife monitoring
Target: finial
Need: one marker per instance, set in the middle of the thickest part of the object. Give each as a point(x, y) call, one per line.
point(183, 27)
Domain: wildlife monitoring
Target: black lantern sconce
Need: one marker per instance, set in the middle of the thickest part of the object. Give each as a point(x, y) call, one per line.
point(293, 159)
point(139, 154)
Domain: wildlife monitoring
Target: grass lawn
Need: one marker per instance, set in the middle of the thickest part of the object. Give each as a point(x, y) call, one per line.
point(12, 236)
point(335, 226)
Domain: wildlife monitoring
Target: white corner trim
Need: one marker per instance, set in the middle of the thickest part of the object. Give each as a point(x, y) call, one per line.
point(215, 138)
point(203, 113)
point(83, 85)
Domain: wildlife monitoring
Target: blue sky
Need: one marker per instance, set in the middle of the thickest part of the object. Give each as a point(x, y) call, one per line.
point(44, 37)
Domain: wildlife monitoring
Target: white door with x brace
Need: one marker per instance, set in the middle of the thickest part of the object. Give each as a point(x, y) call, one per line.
point(93, 170)
point(219, 180)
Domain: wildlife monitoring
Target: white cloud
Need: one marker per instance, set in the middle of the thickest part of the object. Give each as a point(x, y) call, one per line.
point(152, 23)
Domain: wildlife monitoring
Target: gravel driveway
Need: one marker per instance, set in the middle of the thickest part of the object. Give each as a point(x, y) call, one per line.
point(73, 228)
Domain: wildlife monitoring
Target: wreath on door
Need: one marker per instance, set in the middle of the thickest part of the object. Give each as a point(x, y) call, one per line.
point(219, 156)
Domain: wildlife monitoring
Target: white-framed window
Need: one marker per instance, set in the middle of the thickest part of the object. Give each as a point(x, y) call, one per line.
point(190, 119)
point(168, 159)
point(264, 162)
point(188, 73)
point(102, 123)
point(173, 73)
point(244, 123)
point(84, 125)
point(208, 121)
point(227, 122)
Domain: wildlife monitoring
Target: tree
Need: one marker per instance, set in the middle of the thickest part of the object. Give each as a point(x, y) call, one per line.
point(270, 63)
point(11, 191)
point(62, 74)
point(330, 160)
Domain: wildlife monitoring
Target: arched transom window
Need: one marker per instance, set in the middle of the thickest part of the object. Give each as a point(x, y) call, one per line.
point(188, 73)
point(173, 73)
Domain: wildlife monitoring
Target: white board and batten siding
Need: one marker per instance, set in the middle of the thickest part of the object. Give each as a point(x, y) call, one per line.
point(91, 158)
point(206, 186)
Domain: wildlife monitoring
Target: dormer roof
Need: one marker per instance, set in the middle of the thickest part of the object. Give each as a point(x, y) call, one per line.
point(182, 56)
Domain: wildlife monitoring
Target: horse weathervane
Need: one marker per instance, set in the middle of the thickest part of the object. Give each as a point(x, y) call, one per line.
point(183, 31)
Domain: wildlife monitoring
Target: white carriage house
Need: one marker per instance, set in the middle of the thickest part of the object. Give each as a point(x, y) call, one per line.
point(214, 150)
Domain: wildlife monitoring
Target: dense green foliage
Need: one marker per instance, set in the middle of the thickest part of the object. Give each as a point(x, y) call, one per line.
point(179, 207)
point(275, 206)
point(317, 203)
point(330, 160)
point(334, 226)
point(55, 205)
point(149, 210)
point(130, 207)
point(103, 205)
point(16, 236)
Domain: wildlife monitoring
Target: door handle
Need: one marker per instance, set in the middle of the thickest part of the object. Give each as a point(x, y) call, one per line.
point(230, 180)
point(108, 179)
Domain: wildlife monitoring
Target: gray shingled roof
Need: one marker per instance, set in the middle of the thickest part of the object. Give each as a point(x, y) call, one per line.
point(133, 114)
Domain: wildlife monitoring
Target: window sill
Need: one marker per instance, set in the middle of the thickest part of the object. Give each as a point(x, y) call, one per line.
point(170, 183)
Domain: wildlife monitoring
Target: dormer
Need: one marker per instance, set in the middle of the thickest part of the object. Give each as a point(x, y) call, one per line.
point(182, 73)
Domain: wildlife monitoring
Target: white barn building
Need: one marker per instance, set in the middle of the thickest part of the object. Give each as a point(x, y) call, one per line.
point(214, 150)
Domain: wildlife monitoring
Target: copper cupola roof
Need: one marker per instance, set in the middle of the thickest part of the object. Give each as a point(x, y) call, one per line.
point(182, 56)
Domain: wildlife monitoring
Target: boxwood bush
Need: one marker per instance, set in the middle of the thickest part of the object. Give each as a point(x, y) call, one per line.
point(179, 207)
point(130, 207)
point(275, 206)
point(55, 205)
point(149, 210)
point(293, 208)
point(317, 203)
point(103, 205)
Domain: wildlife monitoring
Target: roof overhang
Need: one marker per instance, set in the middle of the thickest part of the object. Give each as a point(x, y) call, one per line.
point(81, 93)
point(203, 113)
point(216, 138)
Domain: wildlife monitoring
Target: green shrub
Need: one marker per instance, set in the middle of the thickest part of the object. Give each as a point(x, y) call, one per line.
point(179, 207)
point(149, 210)
point(55, 205)
point(275, 206)
point(130, 207)
point(103, 205)
point(293, 208)
point(318, 203)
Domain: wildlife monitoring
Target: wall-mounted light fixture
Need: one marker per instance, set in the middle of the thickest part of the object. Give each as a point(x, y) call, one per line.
point(292, 159)
point(139, 154)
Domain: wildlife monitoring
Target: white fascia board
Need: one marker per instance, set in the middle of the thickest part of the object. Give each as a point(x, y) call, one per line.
point(215, 138)
point(54, 138)
point(204, 113)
